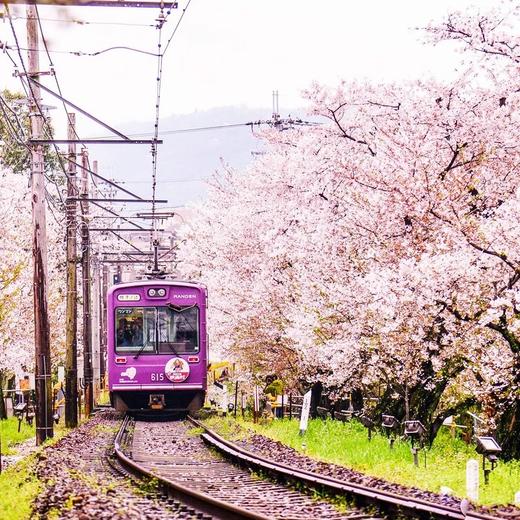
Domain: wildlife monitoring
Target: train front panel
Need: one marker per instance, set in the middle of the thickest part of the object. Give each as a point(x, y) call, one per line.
point(157, 345)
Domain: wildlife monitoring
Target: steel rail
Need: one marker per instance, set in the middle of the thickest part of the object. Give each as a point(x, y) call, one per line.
point(194, 499)
point(384, 499)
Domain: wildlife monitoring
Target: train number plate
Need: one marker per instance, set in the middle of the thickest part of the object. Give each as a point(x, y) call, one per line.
point(157, 376)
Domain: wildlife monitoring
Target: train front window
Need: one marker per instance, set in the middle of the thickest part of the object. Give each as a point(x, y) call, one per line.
point(132, 324)
point(178, 329)
point(152, 330)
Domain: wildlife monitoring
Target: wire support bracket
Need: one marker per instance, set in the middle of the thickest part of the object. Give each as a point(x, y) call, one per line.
point(129, 230)
point(84, 199)
point(99, 3)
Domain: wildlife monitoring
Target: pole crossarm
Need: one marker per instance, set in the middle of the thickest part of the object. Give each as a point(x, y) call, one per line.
point(161, 201)
point(127, 253)
point(124, 261)
point(98, 3)
point(132, 230)
point(95, 141)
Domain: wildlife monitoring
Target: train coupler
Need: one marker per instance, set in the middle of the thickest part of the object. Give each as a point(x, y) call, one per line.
point(156, 401)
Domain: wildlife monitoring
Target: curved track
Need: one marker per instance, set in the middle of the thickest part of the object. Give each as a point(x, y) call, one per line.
point(386, 501)
point(174, 454)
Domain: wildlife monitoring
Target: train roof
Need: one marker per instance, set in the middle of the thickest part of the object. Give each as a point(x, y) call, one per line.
point(147, 283)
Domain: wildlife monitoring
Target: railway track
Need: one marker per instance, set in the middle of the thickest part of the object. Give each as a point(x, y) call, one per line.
point(172, 453)
point(177, 456)
point(390, 503)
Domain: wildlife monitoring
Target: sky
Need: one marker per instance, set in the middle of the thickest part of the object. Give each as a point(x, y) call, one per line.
point(233, 52)
point(226, 53)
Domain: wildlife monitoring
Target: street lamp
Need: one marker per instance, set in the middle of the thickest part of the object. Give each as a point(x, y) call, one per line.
point(368, 423)
point(389, 423)
point(415, 430)
point(18, 411)
point(488, 447)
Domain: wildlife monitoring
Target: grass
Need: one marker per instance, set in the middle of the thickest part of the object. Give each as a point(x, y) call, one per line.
point(347, 444)
point(18, 488)
point(103, 397)
point(10, 436)
point(18, 484)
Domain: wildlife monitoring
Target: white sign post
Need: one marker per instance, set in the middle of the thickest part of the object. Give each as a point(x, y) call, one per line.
point(472, 476)
point(304, 418)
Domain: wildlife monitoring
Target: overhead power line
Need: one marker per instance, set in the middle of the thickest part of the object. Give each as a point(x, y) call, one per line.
point(82, 22)
point(288, 120)
point(80, 53)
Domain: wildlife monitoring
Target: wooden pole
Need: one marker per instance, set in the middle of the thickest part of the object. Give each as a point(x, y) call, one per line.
point(85, 271)
point(95, 309)
point(236, 399)
point(103, 349)
point(71, 362)
point(44, 428)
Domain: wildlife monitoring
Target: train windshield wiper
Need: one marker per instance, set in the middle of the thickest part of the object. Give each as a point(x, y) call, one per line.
point(140, 351)
point(172, 348)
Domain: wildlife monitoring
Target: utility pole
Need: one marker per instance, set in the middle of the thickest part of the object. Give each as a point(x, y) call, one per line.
point(95, 308)
point(71, 361)
point(42, 349)
point(96, 340)
point(103, 313)
point(85, 271)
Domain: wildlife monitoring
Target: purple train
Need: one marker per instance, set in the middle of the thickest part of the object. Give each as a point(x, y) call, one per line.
point(157, 345)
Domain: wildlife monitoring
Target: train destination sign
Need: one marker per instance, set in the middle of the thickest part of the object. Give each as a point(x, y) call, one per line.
point(128, 297)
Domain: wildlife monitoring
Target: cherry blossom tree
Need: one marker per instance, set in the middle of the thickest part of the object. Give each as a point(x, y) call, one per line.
point(379, 251)
point(16, 302)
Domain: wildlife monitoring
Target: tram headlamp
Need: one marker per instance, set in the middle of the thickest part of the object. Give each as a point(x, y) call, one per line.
point(154, 293)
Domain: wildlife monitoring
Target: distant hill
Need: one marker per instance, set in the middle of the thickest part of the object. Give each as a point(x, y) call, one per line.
point(185, 159)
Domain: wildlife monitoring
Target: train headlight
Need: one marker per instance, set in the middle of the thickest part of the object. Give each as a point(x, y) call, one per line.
point(154, 293)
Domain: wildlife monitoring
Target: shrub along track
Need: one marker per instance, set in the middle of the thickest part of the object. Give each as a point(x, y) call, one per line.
point(173, 453)
point(394, 499)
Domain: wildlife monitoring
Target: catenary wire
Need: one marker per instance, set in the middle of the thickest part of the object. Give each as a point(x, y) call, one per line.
point(85, 22)
point(81, 53)
point(161, 20)
point(176, 27)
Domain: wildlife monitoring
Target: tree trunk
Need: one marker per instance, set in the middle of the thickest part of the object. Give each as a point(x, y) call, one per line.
point(316, 390)
point(3, 409)
point(508, 432)
point(508, 425)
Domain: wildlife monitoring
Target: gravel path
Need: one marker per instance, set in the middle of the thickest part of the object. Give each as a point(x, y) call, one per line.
point(171, 449)
point(23, 449)
point(80, 485)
